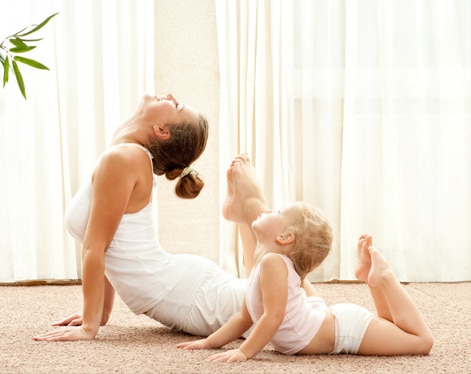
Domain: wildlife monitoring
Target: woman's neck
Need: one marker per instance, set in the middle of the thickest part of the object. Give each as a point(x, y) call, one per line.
point(130, 132)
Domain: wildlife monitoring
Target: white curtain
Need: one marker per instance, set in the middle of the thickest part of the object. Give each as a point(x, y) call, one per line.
point(362, 108)
point(100, 55)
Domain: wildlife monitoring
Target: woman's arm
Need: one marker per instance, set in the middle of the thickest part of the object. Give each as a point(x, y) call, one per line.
point(108, 304)
point(77, 318)
point(113, 182)
point(114, 179)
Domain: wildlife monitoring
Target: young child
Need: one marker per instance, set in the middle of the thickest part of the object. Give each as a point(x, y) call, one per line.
point(290, 244)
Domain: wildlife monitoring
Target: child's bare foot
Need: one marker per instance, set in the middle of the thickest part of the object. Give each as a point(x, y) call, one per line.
point(380, 268)
point(244, 192)
point(364, 260)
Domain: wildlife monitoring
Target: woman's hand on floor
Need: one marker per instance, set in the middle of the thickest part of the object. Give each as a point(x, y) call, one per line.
point(67, 333)
point(73, 320)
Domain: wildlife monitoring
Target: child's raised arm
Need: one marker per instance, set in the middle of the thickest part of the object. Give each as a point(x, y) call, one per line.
point(274, 288)
point(231, 330)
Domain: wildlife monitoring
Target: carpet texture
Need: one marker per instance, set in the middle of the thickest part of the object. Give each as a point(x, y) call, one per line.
point(137, 344)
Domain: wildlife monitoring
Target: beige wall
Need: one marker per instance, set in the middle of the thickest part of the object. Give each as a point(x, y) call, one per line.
point(187, 65)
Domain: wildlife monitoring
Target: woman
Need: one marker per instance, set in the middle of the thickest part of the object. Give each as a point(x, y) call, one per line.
point(111, 215)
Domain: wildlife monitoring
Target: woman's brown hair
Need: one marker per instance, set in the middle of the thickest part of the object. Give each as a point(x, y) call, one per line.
point(184, 146)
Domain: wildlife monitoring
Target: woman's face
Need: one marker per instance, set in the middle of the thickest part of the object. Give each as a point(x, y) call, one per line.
point(166, 109)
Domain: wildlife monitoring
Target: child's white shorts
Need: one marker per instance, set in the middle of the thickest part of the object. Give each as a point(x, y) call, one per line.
point(351, 322)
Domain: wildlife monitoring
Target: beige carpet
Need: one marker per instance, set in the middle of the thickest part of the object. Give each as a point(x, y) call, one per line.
point(137, 344)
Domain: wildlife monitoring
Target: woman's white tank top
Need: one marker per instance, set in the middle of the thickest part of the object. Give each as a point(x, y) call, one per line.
point(140, 270)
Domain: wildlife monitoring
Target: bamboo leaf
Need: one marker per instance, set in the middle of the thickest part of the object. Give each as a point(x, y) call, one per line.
point(6, 70)
point(22, 49)
point(36, 28)
point(17, 42)
point(30, 40)
point(30, 62)
point(19, 78)
point(23, 29)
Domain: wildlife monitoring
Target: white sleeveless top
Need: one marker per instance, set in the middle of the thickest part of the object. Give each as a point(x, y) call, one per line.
point(137, 266)
point(302, 319)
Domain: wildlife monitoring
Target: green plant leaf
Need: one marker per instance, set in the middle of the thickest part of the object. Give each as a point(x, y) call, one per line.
point(9, 60)
point(17, 42)
point(18, 33)
point(30, 40)
point(36, 28)
point(30, 62)
point(21, 49)
point(19, 78)
point(6, 70)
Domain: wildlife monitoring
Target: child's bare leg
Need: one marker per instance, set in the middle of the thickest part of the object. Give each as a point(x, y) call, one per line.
point(404, 312)
point(363, 270)
point(408, 333)
point(248, 244)
point(244, 203)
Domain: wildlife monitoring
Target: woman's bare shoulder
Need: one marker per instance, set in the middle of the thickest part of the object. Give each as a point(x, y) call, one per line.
point(123, 156)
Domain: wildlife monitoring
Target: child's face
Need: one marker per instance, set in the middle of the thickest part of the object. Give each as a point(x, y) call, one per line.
point(274, 223)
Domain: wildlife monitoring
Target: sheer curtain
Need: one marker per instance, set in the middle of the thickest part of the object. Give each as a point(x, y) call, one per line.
point(363, 109)
point(100, 55)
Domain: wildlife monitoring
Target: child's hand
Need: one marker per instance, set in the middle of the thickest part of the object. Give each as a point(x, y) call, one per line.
point(195, 344)
point(234, 355)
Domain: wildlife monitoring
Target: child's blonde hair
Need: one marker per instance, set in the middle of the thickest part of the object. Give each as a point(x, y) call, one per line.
point(313, 240)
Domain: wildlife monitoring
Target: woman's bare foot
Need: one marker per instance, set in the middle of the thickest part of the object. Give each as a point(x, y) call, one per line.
point(244, 192)
point(380, 269)
point(364, 259)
